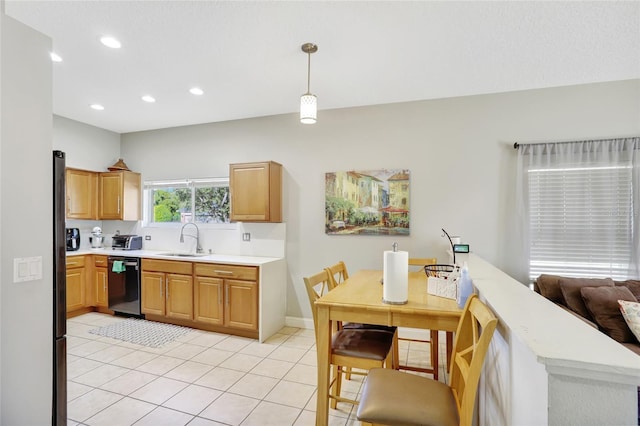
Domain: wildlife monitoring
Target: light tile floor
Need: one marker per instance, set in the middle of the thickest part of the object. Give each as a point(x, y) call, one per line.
point(202, 379)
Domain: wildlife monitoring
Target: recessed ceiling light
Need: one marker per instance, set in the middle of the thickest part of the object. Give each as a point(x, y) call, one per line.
point(110, 42)
point(55, 57)
point(148, 98)
point(97, 107)
point(196, 91)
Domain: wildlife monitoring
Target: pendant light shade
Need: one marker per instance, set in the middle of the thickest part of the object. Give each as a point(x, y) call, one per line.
point(308, 101)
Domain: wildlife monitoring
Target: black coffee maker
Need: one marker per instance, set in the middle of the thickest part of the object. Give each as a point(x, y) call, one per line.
point(73, 239)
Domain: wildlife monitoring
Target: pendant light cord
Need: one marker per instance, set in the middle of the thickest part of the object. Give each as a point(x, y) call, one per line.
point(308, 72)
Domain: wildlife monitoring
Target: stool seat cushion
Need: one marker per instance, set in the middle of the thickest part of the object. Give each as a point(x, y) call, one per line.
point(392, 397)
point(362, 343)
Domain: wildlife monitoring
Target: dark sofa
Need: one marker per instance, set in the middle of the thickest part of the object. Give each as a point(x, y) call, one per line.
point(595, 301)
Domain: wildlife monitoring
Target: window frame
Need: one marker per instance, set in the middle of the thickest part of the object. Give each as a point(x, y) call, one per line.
point(190, 183)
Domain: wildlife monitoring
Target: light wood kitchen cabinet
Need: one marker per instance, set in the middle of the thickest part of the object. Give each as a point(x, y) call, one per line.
point(81, 187)
point(100, 280)
point(119, 195)
point(256, 192)
point(167, 288)
point(76, 283)
point(226, 295)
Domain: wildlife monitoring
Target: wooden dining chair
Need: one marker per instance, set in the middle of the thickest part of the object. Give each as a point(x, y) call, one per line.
point(433, 334)
point(361, 349)
point(337, 275)
point(392, 397)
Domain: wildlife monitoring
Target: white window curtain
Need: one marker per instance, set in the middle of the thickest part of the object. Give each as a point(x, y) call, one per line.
point(578, 206)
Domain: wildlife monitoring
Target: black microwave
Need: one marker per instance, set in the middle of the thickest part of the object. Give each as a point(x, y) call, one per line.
point(73, 239)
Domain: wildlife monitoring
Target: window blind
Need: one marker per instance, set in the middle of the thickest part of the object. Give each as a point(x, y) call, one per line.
point(580, 221)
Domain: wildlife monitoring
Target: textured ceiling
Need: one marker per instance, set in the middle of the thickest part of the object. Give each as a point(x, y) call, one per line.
point(247, 57)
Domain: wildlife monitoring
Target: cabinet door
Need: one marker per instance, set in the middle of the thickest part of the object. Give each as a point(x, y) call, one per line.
point(241, 304)
point(81, 194)
point(179, 296)
point(102, 295)
point(256, 192)
point(208, 300)
point(153, 293)
point(110, 199)
point(76, 282)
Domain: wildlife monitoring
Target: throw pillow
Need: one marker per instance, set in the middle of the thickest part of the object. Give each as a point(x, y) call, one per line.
point(633, 285)
point(571, 292)
point(631, 313)
point(602, 303)
point(550, 288)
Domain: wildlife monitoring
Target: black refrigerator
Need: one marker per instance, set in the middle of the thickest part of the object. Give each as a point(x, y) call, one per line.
point(59, 412)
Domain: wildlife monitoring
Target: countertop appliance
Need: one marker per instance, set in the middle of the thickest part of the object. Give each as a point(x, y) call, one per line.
point(60, 247)
point(96, 239)
point(73, 237)
point(124, 285)
point(126, 242)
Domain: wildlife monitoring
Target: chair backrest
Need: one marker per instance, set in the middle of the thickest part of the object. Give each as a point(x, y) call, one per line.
point(422, 261)
point(337, 274)
point(473, 336)
point(316, 285)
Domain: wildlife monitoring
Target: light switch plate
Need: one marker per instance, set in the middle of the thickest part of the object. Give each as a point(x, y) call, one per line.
point(27, 269)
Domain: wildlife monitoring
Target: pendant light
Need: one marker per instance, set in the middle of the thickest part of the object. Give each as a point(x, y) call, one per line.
point(308, 101)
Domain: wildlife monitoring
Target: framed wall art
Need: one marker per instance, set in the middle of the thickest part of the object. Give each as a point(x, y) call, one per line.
point(369, 202)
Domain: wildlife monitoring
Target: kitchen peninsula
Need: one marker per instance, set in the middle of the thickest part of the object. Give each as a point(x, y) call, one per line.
point(234, 294)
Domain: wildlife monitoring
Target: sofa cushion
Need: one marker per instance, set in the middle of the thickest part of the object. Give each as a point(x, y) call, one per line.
point(571, 292)
point(602, 303)
point(550, 288)
point(633, 285)
point(631, 314)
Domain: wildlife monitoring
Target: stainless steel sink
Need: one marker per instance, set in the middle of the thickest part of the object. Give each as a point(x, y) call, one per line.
point(172, 254)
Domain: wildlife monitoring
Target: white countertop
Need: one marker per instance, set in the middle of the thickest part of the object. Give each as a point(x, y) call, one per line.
point(161, 254)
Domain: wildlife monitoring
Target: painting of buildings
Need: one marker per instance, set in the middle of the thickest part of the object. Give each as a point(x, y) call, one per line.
point(372, 202)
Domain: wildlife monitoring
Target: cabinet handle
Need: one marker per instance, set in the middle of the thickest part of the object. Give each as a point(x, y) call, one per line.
point(161, 285)
point(223, 272)
point(219, 296)
point(226, 294)
point(167, 292)
point(104, 283)
point(68, 204)
point(118, 204)
point(71, 263)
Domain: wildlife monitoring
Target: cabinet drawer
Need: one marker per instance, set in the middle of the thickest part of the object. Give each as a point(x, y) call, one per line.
point(100, 261)
point(249, 273)
point(170, 266)
point(75, 262)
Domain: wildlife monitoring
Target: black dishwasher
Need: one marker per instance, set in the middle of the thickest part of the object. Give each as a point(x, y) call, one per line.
point(124, 285)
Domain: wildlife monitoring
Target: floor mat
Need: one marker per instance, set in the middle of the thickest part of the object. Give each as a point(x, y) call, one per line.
point(142, 332)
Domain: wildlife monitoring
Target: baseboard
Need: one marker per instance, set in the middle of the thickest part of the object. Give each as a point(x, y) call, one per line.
point(299, 322)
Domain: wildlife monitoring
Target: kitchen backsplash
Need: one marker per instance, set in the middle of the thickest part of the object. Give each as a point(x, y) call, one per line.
point(266, 239)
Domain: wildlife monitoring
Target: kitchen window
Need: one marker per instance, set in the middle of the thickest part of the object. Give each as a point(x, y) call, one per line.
point(203, 201)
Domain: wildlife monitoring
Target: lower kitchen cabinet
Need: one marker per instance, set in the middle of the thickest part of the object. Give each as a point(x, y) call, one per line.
point(167, 288)
point(100, 279)
point(76, 283)
point(226, 295)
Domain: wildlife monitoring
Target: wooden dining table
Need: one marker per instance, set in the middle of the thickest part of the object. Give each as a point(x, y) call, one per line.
point(359, 299)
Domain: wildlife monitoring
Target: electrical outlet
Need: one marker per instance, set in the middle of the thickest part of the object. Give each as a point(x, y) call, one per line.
point(246, 236)
point(147, 237)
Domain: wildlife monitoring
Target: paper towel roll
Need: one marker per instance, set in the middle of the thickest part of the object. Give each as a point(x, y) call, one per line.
point(395, 275)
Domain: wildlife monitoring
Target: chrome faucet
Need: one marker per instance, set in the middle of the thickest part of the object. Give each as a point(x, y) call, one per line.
point(197, 237)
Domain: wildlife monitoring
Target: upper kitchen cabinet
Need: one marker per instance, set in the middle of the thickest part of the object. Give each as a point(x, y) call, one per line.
point(81, 186)
point(256, 192)
point(119, 195)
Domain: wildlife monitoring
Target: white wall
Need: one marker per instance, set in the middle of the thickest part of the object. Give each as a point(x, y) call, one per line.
point(86, 147)
point(459, 152)
point(25, 225)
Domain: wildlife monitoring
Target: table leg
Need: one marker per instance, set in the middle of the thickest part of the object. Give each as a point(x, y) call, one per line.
point(323, 347)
